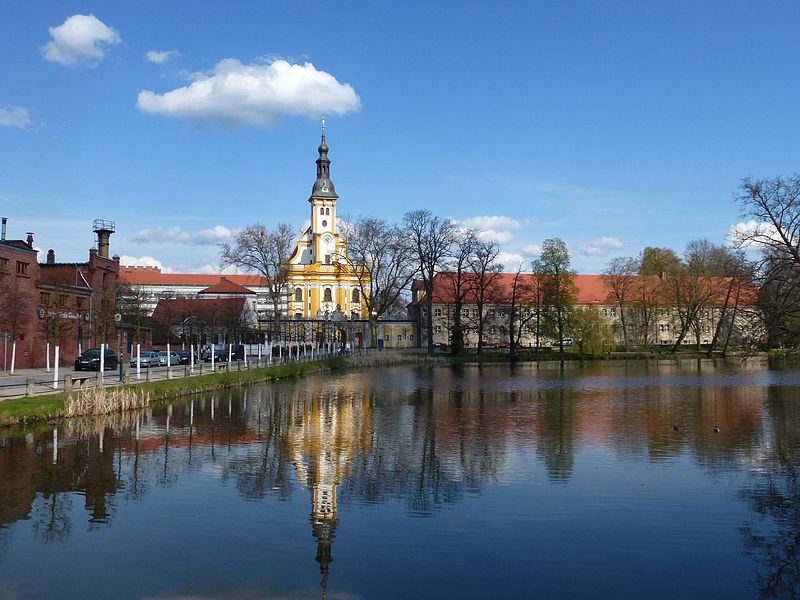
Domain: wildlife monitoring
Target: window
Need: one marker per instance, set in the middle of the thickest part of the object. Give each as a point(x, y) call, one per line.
point(328, 295)
point(475, 313)
point(491, 330)
point(464, 312)
point(605, 312)
point(438, 329)
point(79, 302)
point(437, 312)
point(3, 264)
point(410, 337)
point(399, 337)
point(466, 330)
point(491, 312)
point(321, 211)
point(356, 296)
point(298, 295)
point(327, 211)
point(44, 297)
point(664, 328)
point(387, 337)
point(502, 330)
point(324, 223)
point(22, 268)
point(613, 312)
point(63, 299)
point(425, 312)
point(327, 259)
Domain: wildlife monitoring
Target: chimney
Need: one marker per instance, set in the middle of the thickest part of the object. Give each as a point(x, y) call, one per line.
point(30, 239)
point(5, 222)
point(51, 256)
point(103, 229)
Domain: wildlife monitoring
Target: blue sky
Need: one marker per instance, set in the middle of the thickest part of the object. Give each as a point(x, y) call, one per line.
point(613, 125)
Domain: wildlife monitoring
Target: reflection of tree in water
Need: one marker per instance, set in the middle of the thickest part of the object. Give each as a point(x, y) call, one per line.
point(51, 518)
point(776, 495)
point(557, 422)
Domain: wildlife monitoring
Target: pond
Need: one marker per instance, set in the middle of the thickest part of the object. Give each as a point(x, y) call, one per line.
point(646, 479)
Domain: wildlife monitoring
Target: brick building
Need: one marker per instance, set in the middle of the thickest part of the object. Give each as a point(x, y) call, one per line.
point(71, 305)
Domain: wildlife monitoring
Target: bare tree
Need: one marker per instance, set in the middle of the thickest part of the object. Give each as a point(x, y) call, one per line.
point(488, 272)
point(256, 249)
point(14, 306)
point(692, 290)
point(620, 278)
point(132, 300)
point(458, 283)
point(383, 263)
point(430, 238)
point(774, 206)
point(520, 302)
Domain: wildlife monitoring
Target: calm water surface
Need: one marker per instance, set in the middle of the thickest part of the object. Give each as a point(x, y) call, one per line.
point(604, 480)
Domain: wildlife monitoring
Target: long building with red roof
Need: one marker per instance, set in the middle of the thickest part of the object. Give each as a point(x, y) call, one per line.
point(654, 308)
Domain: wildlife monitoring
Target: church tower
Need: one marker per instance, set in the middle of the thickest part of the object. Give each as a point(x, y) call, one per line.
point(323, 209)
point(322, 280)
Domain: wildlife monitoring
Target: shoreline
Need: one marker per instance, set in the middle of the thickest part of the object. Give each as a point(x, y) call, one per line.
point(34, 410)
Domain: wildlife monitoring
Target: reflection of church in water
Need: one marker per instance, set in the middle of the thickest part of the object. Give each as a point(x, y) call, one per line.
point(326, 430)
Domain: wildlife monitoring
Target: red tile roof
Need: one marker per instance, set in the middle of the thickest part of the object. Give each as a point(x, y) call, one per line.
point(226, 286)
point(591, 289)
point(207, 309)
point(154, 276)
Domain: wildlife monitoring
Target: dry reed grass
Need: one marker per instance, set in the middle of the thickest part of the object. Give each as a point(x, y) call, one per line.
point(103, 401)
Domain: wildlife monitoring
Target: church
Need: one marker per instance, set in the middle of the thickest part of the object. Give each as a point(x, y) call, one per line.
point(322, 282)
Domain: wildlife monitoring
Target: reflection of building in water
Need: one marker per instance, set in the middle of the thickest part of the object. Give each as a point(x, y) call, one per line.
point(326, 430)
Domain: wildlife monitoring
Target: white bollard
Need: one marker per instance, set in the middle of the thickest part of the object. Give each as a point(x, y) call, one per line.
point(138, 361)
point(169, 363)
point(102, 360)
point(191, 357)
point(55, 369)
point(212, 358)
point(47, 368)
point(13, 355)
point(230, 354)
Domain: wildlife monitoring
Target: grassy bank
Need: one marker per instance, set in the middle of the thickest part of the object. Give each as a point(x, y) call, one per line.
point(572, 354)
point(24, 411)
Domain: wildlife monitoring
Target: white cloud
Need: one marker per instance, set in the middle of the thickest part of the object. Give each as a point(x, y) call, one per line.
point(511, 260)
point(80, 39)
point(495, 223)
point(532, 249)
point(143, 261)
point(233, 94)
point(205, 237)
point(14, 116)
point(497, 228)
point(748, 234)
point(160, 56)
point(601, 246)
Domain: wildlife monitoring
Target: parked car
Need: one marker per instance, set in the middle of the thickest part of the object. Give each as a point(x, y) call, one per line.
point(174, 359)
point(90, 360)
point(148, 359)
point(185, 356)
point(221, 353)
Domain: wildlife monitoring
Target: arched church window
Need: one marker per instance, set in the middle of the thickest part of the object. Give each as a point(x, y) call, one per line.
point(298, 295)
point(321, 210)
point(327, 211)
point(356, 296)
point(328, 295)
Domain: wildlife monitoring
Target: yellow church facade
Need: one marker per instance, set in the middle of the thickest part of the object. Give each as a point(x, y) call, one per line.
point(321, 280)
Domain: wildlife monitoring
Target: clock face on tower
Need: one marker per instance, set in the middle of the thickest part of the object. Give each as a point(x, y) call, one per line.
point(327, 239)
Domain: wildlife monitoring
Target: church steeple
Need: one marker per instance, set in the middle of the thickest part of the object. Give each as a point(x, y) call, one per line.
point(323, 186)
